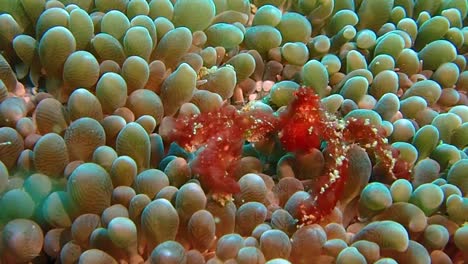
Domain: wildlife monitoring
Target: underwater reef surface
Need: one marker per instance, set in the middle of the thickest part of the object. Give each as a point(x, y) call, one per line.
point(233, 131)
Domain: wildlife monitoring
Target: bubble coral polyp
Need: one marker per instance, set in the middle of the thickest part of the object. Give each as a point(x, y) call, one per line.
point(303, 126)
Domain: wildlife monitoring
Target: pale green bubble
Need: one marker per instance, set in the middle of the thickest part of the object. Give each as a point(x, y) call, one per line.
point(315, 75)
point(224, 35)
point(340, 19)
point(401, 190)
point(426, 140)
point(428, 197)
point(381, 63)
point(403, 130)
point(384, 82)
point(436, 53)
point(387, 106)
point(431, 30)
point(425, 171)
point(355, 88)
point(183, 14)
point(387, 234)
point(262, 38)
point(267, 15)
point(376, 196)
point(295, 53)
point(427, 89)
point(373, 14)
point(457, 175)
point(294, 27)
point(391, 44)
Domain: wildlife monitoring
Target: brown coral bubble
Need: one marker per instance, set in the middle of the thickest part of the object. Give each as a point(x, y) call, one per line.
point(440, 257)
point(109, 66)
point(275, 244)
point(160, 222)
point(82, 103)
point(228, 246)
point(170, 252)
point(188, 110)
point(146, 102)
point(7, 75)
point(83, 137)
point(222, 81)
point(190, 198)
point(12, 109)
point(259, 230)
point(307, 241)
point(135, 71)
point(150, 182)
point(335, 231)
point(123, 195)
point(285, 188)
point(169, 193)
point(81, 69)
point(50, 117)
point(407, 214)
point(206, 101)
point(178, 172)
point(194, 60)
point(71, 167)
point(178, 88)
point(3, 91)
point(247, 165)
point(17, 203)
point(11, 146)
point(23, 240)
point(248, 216)
point(112, 125)
point(195, 257)
point(70, 252)
point(148, 123)
point(38, 186)
point(82, 228)
point(104, 156)
point(225, 216)
point(136, 207)
point(123, 171)
point(4, 175)
point(370, 250)
point(253, 189)
point(133, 141)
point(112, 212)
point(58, 209)
point(111, 90)
point(201, 228)
point(55, 46)
point(125, 113)
point(91, 188)
point(96, 256)
point(158, 73)
point(100, 240)
point(54, 240)
point(250, 255)
point(282, 220)
point(173, 45)
point(138, 42)
point(25, 126)
point(51, 155)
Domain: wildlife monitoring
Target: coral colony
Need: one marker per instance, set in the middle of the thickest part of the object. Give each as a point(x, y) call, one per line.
point(234, 131)
point(301, 127)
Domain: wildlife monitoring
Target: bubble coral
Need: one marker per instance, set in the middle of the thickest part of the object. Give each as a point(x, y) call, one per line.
point(233, 131)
